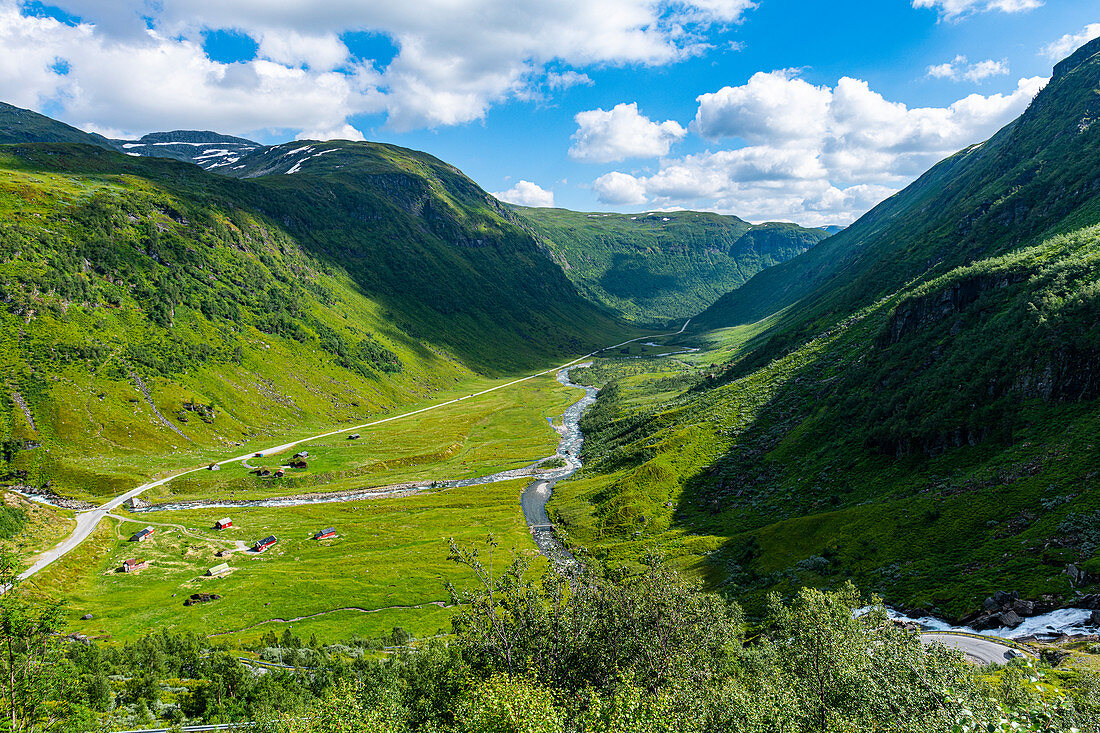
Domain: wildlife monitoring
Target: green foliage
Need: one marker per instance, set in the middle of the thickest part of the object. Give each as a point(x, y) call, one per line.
point(12, 521)
point(815, 665)
point(136, 286)
point(592, 630)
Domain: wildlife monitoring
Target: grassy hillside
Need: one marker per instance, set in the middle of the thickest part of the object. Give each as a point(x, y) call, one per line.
point(923, 420)
point(18, 125)
point(156, 314)
point(663, 265)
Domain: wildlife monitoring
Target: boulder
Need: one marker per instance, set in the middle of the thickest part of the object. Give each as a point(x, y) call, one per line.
point(86, 617)
point(1010, 619)
point(201, 598)
point(1094, 618)
point(990, 604)
point(1024, 608)
point(986, 621)
point(1091, 601)
point(1002, 598)
point(1077, 576)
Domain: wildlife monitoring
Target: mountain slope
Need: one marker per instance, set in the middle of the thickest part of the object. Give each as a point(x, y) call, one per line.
point(18, 125)
point(923, 419)
point(155, 309)
point(206, 149)
point(664, 265)
point(1034, 178)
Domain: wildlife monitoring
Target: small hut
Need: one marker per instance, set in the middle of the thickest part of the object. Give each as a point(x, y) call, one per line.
point(325, 534)
point(130, 566)
point(218, 570)
point(143, 535)
point(263, 544)
point(224, 523)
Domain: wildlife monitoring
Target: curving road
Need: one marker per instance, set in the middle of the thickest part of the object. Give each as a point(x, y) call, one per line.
point(979, 650)
point(87, 521)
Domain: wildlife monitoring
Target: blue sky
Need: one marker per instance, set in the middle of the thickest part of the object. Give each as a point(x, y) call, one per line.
point(777, 109)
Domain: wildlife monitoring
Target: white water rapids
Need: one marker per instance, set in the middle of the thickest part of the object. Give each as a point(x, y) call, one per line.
point(1069, 621)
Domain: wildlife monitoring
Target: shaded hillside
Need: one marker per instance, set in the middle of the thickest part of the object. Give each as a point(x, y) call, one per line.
point(923, 421)
point(18, 125)
point(662, 265)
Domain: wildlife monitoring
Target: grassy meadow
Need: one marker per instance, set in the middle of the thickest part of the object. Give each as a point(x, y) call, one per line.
point(388, 566)
point(502, 430)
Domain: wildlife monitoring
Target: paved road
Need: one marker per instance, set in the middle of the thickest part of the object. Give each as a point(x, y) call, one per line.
point(86, 522)
point(977, 650)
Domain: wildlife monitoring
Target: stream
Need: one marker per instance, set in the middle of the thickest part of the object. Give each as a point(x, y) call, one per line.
point(1069, 621)
point(569, 447)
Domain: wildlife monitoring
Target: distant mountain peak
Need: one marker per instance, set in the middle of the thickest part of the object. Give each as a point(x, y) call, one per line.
point(193, 136)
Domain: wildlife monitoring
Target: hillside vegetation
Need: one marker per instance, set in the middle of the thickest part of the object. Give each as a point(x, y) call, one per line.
point(156, 314)
point(658, 266)
point(923, 420)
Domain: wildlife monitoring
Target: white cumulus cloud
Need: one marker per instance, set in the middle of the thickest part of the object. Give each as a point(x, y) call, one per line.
point(454, 60)
point(953, 9)
point(622, 132)
point(1070, 42)
point(618, 189)
point(812, 154)
point(148, 81)
point(525, 193)
point(960, 69)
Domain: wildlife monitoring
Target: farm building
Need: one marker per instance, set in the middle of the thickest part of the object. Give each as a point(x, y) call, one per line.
point(325, 534)
point(302, 454)
point(130, 566)
point(214, 467)
point(263, 471)
point(280, 472)
point(263, 544)
point(299, 463)
point(143, 535)
point(218, 570)
point(224, 523)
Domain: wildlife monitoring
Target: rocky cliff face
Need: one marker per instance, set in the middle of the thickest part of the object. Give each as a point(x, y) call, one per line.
point(926, 310)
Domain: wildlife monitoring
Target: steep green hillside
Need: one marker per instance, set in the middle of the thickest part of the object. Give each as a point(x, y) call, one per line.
point(155, 313)
point(1034, 178)
point(662, 265)
point(18, 125)
point(924, 421)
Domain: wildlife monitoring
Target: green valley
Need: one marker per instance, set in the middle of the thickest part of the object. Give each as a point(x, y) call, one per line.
point(321, 437)
point(911, 404)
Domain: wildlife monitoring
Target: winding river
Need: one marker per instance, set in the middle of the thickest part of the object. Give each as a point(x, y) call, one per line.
point(534, 504)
